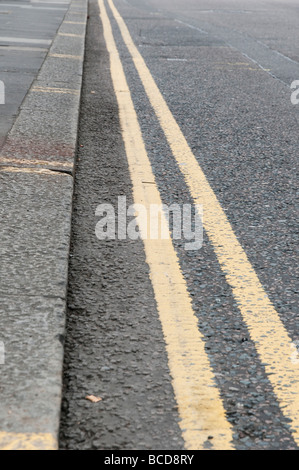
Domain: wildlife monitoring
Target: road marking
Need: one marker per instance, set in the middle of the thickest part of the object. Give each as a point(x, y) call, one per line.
point(192, 27)
point(266, 328)
point(67, 91)
point(47, 42)
point(66, 56)
point(27, 441)
point(176, 60)
point(199, 404)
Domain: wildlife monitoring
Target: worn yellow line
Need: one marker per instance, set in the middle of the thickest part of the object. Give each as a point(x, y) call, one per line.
point(27, 441)
point(266, 328)
point(66, 56)
point(199, 404)
point(66, 91)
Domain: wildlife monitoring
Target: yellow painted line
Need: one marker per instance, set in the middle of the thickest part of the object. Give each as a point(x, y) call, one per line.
point(266, 328)
point(22, 161)
point(66, 56)
point(27, 441)
point(199, 403)
point(39, 171)
point(66, 91)
point(71, 35)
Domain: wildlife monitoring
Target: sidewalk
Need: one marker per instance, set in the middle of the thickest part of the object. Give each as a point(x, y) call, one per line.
point(26, 33)
point(36, 189)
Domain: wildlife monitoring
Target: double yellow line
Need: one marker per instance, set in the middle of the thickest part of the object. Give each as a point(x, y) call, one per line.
point(200, 406)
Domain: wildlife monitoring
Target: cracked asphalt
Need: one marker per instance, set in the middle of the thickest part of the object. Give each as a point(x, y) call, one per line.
point(224, 69)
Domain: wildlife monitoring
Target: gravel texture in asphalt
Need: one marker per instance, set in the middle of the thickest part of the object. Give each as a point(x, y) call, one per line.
point(36, 189)
point(209, 61)
point(114, 344)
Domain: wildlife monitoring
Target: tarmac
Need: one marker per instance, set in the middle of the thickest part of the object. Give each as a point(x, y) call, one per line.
point(213, 123)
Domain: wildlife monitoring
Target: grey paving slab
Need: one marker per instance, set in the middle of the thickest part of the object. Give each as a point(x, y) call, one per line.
point(68, 45)
point(51, 102)
point(61, 125)
point(32, 334)
point(26, 34)
point(36, 189)
point(72, 28)
point(64, 69)
point(46, 132)
point(35, 222)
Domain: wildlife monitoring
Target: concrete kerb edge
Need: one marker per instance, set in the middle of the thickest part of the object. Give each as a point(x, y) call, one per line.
point(59, 78)
point(48, 83)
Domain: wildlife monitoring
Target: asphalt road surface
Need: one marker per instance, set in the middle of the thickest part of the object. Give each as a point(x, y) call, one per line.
point(187, 348)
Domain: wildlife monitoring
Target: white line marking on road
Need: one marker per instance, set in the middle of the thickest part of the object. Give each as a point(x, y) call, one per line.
point(192, 27)
point(177, 60)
